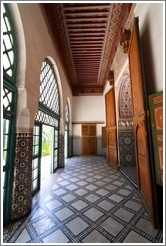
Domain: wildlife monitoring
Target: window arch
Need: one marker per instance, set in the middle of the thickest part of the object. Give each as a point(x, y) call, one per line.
point(9, 105)
point(49, 101)
point(48, 114)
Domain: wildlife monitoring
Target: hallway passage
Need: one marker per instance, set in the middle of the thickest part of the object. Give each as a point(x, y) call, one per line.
point(86, 202)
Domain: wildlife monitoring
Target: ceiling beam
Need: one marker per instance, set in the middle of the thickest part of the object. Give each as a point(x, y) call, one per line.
point(84, 19)
point(86, 7)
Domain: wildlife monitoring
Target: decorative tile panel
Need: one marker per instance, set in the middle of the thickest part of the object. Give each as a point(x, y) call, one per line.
point(126, 148)
point(61, 151)
point(21, 195)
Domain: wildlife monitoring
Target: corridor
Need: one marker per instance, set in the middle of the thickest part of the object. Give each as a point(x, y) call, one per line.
point(86, 202)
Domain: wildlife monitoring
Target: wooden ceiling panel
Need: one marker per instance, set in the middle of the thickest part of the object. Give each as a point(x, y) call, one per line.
point(85, 33)
point(86, 25)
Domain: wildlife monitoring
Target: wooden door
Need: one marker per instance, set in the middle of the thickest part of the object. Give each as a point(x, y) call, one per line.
point(141, 126)
point(156, 117)
point(89, 139)
point(111, 127)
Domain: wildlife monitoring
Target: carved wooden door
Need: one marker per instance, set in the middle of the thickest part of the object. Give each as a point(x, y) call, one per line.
point(156, 113)
point(89, 139)
point(141, 127)
point(111, 127)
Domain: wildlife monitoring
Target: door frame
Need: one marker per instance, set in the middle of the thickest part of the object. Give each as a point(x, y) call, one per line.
point(66, 142)
point(111, 126)
point(37, 157)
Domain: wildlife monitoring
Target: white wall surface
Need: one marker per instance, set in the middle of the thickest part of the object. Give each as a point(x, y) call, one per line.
point(151, 33)
point(88, 108)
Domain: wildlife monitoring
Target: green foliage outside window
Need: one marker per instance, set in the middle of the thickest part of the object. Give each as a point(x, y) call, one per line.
point(46, 140)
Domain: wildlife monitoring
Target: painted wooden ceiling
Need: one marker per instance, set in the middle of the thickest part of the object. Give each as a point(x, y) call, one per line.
point(87, 36)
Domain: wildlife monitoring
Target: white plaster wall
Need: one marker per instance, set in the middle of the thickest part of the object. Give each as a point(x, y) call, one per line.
point(151, 33)
point(88, 108)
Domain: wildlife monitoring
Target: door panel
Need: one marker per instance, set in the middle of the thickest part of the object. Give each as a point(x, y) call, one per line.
point(36, 158)
point(142, 161)
point(89, 139)
point(55, 150)
point(156, 116)
point(142, 137)
point(111, 128)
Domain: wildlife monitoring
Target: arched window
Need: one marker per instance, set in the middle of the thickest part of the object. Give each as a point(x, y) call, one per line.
point(9, 104)
point(49, 108)
point(48, 114)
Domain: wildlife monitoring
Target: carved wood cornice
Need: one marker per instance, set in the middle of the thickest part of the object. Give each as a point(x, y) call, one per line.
point(119, 16)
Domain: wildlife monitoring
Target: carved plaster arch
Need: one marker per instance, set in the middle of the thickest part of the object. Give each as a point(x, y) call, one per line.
point(125, 98)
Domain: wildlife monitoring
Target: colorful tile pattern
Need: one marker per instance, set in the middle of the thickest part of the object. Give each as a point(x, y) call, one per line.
point(21, 195)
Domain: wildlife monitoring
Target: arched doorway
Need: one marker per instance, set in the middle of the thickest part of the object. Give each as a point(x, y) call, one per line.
point(48, 115)
point(126, 131)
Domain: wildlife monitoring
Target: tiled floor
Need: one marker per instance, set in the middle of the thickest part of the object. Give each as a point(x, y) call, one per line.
point(87, 202)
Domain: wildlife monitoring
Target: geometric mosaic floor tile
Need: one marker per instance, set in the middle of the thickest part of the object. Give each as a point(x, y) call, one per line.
point(57, 236)
point(64, 213)
point(86, 202)
point(118, 183)
point(92, 198)
point(68, 197)
point(23, 236)
point(93, 214)
point(133, 205)
point(53, 204)
point(95, 237)
point(79, 205)
point(91, 187)
point(81, 192)
point(146, 227)
point(43, 225)
point(105, 205)
point(102, 192)
point(124, 192)
point(112, 226)
point(116, 198)
point(59, 192)
point(124, 214)
point(38, 213)
point(77, 225)
point(134, 237)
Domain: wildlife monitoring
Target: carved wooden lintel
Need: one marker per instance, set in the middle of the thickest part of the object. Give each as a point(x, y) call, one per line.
point(111, 77)
point(125, 40)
